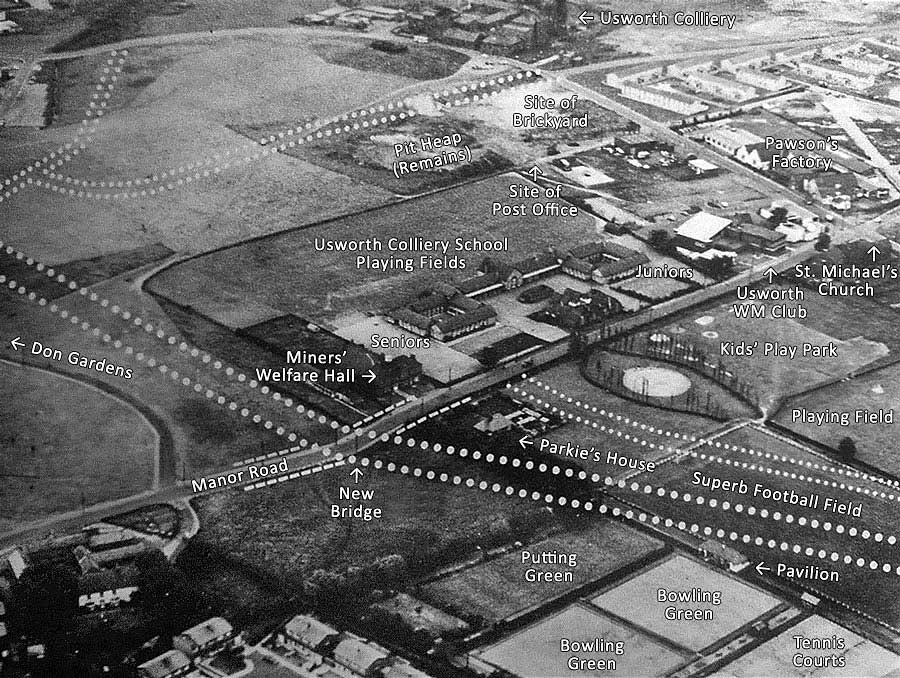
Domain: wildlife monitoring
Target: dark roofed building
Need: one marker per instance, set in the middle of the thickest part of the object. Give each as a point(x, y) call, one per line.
point(577, 268)
point(461, 38)
point(451, 326)
point(410, 320)
point(208, 636)
point(480, 284)
point(170, 664)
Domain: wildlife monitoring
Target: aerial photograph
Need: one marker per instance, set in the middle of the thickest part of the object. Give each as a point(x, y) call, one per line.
point(449, 338)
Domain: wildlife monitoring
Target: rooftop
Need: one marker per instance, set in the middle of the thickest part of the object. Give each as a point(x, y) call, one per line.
point(702, 227)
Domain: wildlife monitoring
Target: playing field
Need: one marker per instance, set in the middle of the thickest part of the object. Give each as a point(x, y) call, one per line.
point(535, 652)
point(287, 272)
point(775, 374)
point(776, 657)
point(875, 442)
point(766, 527)
point(637, 600)
point(497, 589)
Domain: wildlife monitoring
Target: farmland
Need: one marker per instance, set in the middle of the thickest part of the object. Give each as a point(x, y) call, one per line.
point(497, 589)
point(65, 444)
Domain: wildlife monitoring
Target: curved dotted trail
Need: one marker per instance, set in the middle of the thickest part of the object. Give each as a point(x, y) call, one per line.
point(362, 119)
point(694, 529)
point(86, 129)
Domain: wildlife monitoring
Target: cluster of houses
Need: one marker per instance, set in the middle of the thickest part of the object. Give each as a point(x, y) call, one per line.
point(192, 650)
point(447, 311)
point(706, 236)
point(492, 26)
point(356, 18)
point(681, 87)
point(844, 179)
point(316, 650)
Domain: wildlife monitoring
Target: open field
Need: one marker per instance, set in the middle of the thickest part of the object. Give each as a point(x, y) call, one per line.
point(636, 600)
point(831, 537)
point(497, 589)
point(875, 443)
point(65, 444)
point(534, 652)
point(772, 375)
point(172, 108)
point(775, 657)
point(334, 286)
point(849, 318)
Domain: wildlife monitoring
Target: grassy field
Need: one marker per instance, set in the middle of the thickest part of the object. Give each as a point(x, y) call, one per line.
point(636, 601)
point(875, 443)
point(171, 108)
point(497, 589)
point(287, 273)
point(65, 444)
point(534, 652)
point(204, 435)
point(879, 517)
point(773, 376)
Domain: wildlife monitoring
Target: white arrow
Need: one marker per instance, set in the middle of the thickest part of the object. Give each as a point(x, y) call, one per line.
point(534, 172)
point(524, 442)
point(17, 343)
point(770, 274)
point(370, 375)
point(874, 251)
point(356, 474)
point(585, 18)
point(761, 568)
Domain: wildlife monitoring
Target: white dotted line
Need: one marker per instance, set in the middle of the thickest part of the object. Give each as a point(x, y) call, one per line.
point(847, 606)
point(159, 334)
point(151, 362)
point(171, 179)
point(636, 487)
point(96, 108)
point(630, 514)
point(694, 439)
point(337, 463)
